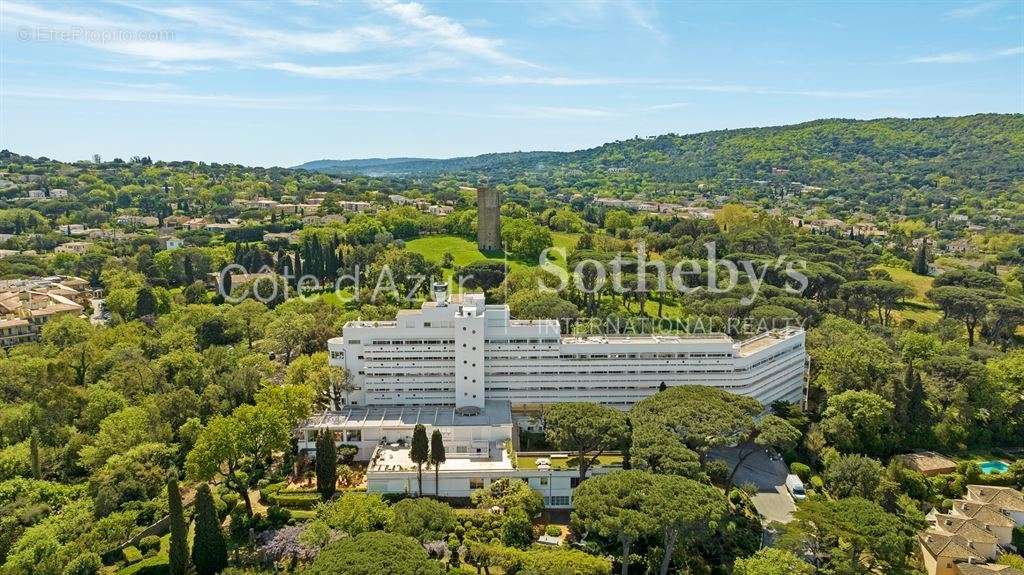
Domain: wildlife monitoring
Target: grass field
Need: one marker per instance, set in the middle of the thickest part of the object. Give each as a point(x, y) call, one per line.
point(920, 309)
point(465, 252)
point(530, 461)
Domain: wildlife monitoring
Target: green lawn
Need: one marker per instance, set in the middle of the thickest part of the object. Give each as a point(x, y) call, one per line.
point(465, 252)
point(530, 461)
point(920, 284)
point(920, 309)
point(567, 242)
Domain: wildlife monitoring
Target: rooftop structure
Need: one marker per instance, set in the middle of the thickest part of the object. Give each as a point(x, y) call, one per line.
point(928, 463)
point(27, 304)
point(469, 435)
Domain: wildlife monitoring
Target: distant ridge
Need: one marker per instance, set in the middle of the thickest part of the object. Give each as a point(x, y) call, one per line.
point(985, 151)
point(357, 165)
point(410, 166)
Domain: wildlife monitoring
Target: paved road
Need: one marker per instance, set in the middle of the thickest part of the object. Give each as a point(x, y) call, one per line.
point(769, 475)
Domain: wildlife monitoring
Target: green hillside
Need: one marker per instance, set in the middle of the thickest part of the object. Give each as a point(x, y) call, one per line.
point(984, 151)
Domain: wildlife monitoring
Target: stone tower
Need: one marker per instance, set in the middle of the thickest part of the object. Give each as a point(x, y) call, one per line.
point(488, 219)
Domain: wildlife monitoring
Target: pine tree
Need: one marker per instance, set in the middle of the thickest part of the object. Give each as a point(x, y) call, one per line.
point(178, 552)
point(420, 452)
point(326, 464)
point(437, 457)
point(209, 553)
point(920, 265)
point(37, 468)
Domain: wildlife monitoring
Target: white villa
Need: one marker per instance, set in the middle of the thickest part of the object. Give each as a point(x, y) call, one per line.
point(478, 448)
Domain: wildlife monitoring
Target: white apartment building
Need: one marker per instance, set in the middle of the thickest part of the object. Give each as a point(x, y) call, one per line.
point(463, 367)
point(460, 351)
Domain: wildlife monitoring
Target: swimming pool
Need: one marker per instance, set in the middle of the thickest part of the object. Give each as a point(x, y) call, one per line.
point(993, 466)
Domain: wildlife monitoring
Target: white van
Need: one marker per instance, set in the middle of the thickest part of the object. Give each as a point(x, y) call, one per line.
point(795, 488)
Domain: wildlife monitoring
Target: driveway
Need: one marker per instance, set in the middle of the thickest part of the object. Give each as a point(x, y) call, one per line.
point(772, 500)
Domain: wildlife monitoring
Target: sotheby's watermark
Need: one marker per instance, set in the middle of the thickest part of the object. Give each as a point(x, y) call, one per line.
point(632, 275)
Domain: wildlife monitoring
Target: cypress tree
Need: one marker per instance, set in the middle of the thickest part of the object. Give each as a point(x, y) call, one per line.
point(37, 468)
point(437, 457)
point(297, 265)
point(899, 396)
point(282, 263)
point(226, 284)
point(178, 552)
point(920, 265)
point(186, 266)
point(419, 453)
point(326, 464)
point(209, 553)
point(917, 411)
point(145, 302)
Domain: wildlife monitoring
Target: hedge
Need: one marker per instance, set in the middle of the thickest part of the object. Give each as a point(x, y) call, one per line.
point(131, 554)
point(149, 544)
point(156, 565)
point(295, 500)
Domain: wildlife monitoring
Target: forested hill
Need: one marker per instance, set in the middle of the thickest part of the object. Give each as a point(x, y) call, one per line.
point(984, 152)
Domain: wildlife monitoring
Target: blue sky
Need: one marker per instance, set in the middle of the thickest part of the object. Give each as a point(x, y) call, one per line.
point(280, 83)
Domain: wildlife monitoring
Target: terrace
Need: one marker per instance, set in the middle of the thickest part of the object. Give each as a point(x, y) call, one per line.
point(563, 461)
point(395, 457)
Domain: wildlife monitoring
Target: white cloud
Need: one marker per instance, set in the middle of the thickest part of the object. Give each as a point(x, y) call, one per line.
point(972, 10)
point(669, 106)
point(643, 17)
point(348, 40)
point(513, 80)
point(116, 35)
point(447, 33)
point(553, 112)
point(148, 94)
point(416, 40)
point(966, 57)
point(594, 14)
point(353, 72)
point(769, 91)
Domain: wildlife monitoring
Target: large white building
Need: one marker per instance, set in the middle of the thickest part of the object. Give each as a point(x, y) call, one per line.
point(460, 351)
point(469, 370)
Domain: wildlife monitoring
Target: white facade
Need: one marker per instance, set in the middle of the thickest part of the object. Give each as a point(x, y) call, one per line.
point(459, 351)
point(478, 436)
point(478, 450)
point(458, 477)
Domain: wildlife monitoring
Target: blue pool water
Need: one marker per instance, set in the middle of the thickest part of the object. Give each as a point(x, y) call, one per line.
point(993, 467)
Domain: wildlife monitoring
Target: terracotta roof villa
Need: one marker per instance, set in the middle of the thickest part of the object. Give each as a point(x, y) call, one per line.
point(974, 532)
